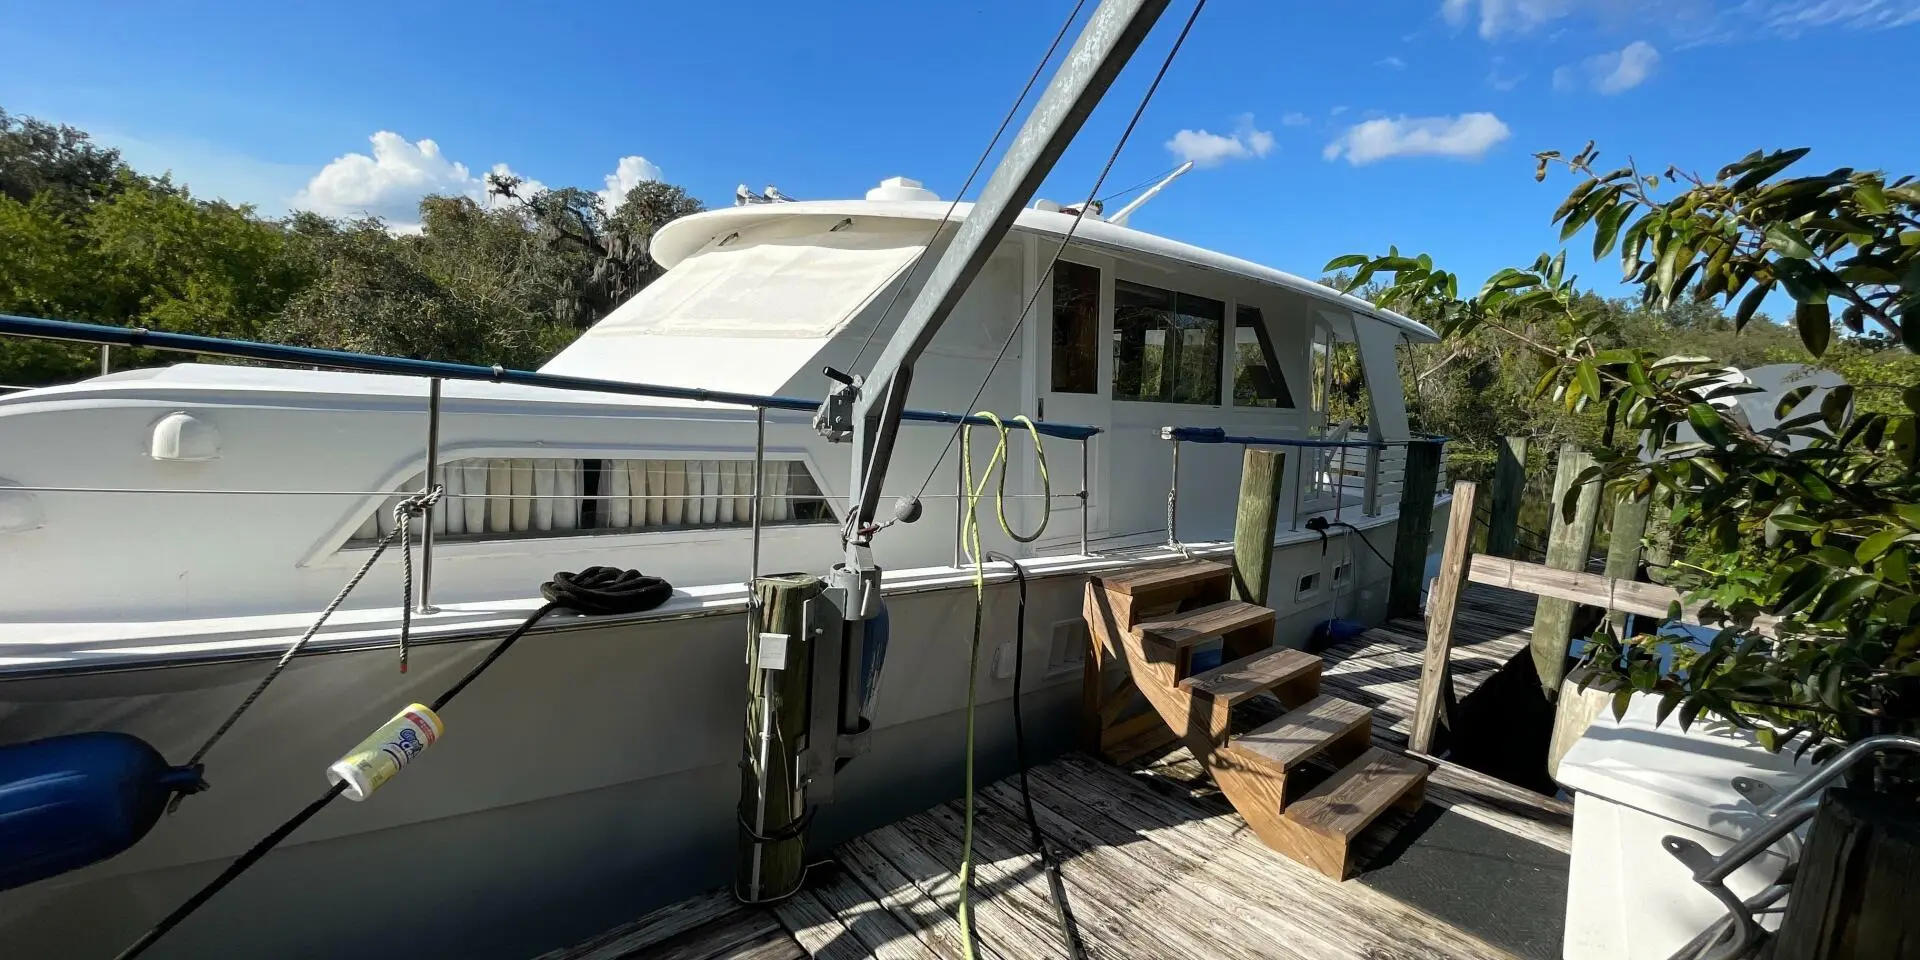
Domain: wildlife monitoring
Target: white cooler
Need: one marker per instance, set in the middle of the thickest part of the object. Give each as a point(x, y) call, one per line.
point(1634, 783)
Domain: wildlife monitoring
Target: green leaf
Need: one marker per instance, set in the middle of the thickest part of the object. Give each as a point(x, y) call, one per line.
point(1607, 226)
point(1793, 521)
point(1631, 243)
point(1706, 422)
point(1622, 698)
point(1678, 360)
point(1909, 512)
point(1873, 546)
point(1789, 400)
point(1768, 166)
point(1589, 379)
point(1800, 589)
point(1750, 303)
point(1786, 240)
point(1911, 397)
point(1844, 593)
point(1343, 262)
point(1815, 324)
point(1833, 407)
point(1871, 198)
point(1573, 200)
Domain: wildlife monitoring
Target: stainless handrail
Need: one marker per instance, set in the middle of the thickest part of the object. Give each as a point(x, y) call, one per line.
point(1781, 817)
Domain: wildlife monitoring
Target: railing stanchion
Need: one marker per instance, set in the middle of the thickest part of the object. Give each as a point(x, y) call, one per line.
point(1086, 505)
point(106, 359)
point(759, 481)
point(1297, 461)
point(959, 501)
point(1370, 499)
point(426, 486)
point(1340, 485)
point(1173, 498)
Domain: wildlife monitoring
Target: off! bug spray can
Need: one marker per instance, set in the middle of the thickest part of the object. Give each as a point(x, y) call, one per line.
point(390, 748)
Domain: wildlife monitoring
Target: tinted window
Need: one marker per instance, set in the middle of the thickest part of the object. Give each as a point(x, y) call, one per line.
point(1167, 346)
point(1257, 380)
point(1076, 328)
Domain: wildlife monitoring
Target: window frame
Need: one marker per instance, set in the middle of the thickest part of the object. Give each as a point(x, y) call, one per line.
point(339, 546)
point(1265, 341)
point(1174, 295)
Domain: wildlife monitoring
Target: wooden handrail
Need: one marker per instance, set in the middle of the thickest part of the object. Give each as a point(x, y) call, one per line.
point(1460, 565)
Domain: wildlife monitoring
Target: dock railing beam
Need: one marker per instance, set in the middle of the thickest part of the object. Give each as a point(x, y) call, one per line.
point(1569, 542)
point(1434, 705)
point(1261, 473)
point(1509, 488)
point(1415, 528)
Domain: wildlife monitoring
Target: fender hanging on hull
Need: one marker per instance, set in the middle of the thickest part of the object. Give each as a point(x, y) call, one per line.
point(73, 800)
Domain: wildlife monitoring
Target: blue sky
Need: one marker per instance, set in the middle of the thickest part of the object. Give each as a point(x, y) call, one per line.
point(1322, 129)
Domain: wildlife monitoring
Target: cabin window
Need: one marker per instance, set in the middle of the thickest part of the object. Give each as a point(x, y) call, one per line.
point(1076, 328)
point(1167, 345)
point(1257, 380)
point(495, 497)
point(1322, 369)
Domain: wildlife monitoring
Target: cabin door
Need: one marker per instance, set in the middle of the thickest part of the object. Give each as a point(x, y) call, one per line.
point(1074, 377)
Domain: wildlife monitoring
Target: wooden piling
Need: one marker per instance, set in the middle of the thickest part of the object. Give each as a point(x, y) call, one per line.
point(1857, 877)
point(1434, 704)
point(1629, 529)
point(1568, 544)
point(1415, 529)
point(779, 657)
point(1509, 488)
point(1253, 523)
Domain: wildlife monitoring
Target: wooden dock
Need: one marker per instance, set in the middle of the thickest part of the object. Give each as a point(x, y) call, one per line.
point(1156, 862)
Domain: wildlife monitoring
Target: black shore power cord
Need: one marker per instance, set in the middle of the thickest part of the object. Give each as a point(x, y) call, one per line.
point(595, 591)
point(1049, 863)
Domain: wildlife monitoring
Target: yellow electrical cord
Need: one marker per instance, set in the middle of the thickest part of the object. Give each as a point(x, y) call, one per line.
point(970, 542)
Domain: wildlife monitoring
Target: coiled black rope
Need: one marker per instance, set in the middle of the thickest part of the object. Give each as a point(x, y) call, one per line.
point(595, 591)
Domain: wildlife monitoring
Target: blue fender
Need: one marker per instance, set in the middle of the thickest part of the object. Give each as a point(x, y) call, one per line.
point(873, 656)
point(69, 801)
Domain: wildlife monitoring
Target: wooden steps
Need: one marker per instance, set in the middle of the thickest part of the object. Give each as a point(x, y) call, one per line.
point(1154, 618)
point(1230, 683)
point(1325, 724)
point(1325, 821)
point(1205, 623)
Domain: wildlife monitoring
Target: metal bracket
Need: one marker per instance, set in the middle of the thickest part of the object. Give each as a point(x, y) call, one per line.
point(834, 419)
point(820, 618)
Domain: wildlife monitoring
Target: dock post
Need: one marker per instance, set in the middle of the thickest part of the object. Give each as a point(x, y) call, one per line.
point(1568, 544)
point(1253, 523)
point(772, 820)
point(1434, 704)
point(1509, 487)
point(1623, 541)
point(1415, 530)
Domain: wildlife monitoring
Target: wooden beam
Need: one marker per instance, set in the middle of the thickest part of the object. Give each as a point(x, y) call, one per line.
point(1253, 523)
point(1628, 532)
point(1855, 884)
point(1591, 589)
point(1509, 488)
point(1569, 541)
point(1436, 675)
point(1415, 529)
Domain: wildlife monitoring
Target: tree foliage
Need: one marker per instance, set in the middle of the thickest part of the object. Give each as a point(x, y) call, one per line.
point(1814, 521)
point(510, 281)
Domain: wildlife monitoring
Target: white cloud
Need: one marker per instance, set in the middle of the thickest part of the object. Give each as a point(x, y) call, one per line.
point(1613, 72)
point(1468, 136)
point(1392, 63)
point(631, 172)
point(1498, 79)
point(390, 183)
point(1683, 22)
point(1212, 149)
point(1790, 17)
point(1295, 119)
point(1500, 17)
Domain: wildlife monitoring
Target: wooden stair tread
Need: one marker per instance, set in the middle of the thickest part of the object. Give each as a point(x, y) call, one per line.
point(1230, 683)
point(1195, 626)
point(1302, 732)
point(1162, 577)
point(1349, 800)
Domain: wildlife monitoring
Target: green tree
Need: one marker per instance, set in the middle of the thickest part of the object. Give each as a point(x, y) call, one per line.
point(1815, 521)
